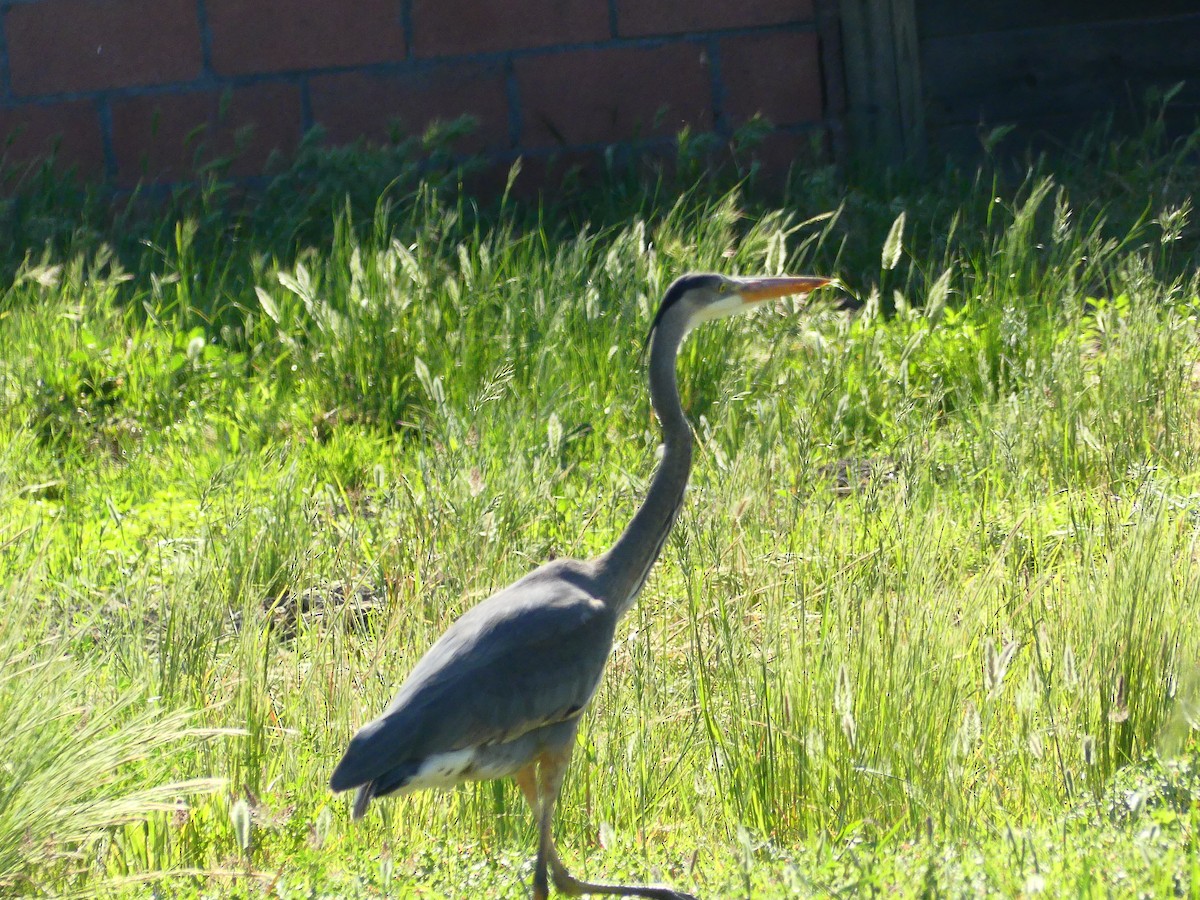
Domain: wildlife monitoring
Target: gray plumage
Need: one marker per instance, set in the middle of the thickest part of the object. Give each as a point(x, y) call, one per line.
point(501, 692)
point(483, 684)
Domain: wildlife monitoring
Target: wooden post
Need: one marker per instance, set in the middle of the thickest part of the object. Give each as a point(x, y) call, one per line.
point(885, 113)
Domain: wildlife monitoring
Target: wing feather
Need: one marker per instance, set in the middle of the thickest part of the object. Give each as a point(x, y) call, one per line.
point(528, 656)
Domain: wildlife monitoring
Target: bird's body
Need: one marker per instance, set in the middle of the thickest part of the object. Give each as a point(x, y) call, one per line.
point(501, 692)
point(476, 706)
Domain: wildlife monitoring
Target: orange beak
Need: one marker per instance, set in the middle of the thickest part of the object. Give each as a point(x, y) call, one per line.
point(755, 290)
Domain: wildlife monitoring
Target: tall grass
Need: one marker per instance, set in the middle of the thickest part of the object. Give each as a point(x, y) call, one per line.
point(934, 575)
point(80, 758)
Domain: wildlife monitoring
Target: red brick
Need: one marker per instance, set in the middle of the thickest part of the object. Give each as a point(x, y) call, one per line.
point(277, 35)
point(453, 27)
point(643, 17)
point(84, 45)
point(779, 152)
point(161, 138)
point(539, 175)
point(777, 75)
point(71, 131)
point(355, 104)
point(614, 94)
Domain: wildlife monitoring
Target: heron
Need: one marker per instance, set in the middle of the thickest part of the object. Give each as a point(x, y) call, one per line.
point(501, 693)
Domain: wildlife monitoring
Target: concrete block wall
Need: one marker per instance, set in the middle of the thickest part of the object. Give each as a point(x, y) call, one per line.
point(136, 91)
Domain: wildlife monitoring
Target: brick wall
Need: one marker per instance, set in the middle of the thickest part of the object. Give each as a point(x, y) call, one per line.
point(143, 90)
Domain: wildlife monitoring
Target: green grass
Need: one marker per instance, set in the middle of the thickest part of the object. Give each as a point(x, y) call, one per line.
point(926, 624)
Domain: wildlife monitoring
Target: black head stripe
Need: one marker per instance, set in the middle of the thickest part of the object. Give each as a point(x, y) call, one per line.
point(674, 294)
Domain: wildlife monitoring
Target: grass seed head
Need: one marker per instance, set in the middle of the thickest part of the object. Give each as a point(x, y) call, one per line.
point(843, 692)
point(239, 817)
point(1119, 712)
point(970, 732)
point(849, 728)
point(1035, 745)
point(843, 704)
point(995, 664)
point(1070, 676)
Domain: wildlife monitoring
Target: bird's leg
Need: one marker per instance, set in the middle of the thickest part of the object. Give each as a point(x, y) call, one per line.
point(568, 884)
point(551, 770)
point(528, 783)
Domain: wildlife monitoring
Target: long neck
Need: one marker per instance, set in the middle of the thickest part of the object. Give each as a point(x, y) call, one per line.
point(629, 561)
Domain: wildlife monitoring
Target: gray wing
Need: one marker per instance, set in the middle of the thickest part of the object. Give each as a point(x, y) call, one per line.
point(528, 656)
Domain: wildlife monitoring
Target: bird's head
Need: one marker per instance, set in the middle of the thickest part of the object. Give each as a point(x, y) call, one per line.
point(697, 298)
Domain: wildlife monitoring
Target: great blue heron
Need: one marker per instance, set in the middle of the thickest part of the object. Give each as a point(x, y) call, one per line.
point(501, 692)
